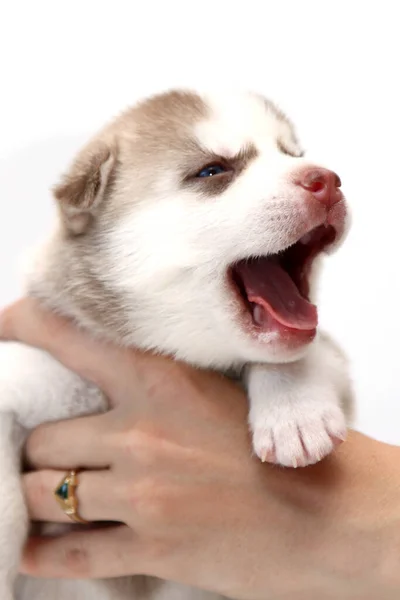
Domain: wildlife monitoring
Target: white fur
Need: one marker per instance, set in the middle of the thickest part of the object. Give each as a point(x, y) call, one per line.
point(166, 259)
point(302, 417)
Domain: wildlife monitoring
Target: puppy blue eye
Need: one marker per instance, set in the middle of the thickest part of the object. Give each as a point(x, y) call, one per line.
point(211, 170)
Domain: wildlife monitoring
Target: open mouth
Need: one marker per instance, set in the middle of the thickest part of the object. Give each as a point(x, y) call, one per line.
point(275, 289)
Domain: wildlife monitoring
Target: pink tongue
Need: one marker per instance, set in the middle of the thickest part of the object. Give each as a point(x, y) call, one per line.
point(271, 289)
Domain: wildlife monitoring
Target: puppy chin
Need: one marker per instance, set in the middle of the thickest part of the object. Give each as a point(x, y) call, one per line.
point(282, 350)
point(267, 347)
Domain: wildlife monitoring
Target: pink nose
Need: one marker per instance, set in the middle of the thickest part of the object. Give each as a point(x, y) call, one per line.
point(323, 184)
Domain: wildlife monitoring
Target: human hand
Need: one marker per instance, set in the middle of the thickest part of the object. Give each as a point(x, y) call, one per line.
point(172, 462)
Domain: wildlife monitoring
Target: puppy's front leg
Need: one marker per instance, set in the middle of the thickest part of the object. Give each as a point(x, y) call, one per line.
point(299, 411)
point(13, 512)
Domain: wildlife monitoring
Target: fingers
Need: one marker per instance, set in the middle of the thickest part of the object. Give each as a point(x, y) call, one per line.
point(102, 364)
point(77, 443)
point(97, 553)
point(93, 494)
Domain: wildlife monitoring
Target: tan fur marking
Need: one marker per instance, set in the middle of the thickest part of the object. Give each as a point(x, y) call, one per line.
point(81, 188)
point(155, 138)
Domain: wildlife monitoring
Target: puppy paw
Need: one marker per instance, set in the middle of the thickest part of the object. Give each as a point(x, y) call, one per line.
point(298, 440)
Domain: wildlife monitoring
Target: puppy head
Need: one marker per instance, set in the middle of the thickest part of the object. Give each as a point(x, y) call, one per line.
point(194, 226)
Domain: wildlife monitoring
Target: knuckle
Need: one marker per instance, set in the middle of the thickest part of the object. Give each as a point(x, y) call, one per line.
point(172, 376)
point(149, 501)
point(139, 446)
point(76, 561)
point(36, 445)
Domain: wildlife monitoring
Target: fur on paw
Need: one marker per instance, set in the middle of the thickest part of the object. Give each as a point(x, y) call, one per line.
point(298, 441)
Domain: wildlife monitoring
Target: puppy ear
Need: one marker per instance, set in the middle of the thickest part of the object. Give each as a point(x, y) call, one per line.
point(83, 188)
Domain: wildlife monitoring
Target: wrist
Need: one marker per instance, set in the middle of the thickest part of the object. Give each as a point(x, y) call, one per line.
point(344, 515)
point(356, 497)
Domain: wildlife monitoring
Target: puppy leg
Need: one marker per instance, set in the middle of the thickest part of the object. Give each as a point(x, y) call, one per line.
point(299, 411)
point(33, 388)
point(13, 513)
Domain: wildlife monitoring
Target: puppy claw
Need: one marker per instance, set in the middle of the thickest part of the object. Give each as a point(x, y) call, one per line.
point(301, 442)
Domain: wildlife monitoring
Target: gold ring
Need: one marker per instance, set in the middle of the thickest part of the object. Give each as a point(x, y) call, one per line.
point(65, 494)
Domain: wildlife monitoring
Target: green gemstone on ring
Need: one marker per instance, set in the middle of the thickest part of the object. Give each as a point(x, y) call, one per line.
point(63, 490)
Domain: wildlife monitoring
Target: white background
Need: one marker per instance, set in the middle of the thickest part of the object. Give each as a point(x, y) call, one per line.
point(67, 67)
